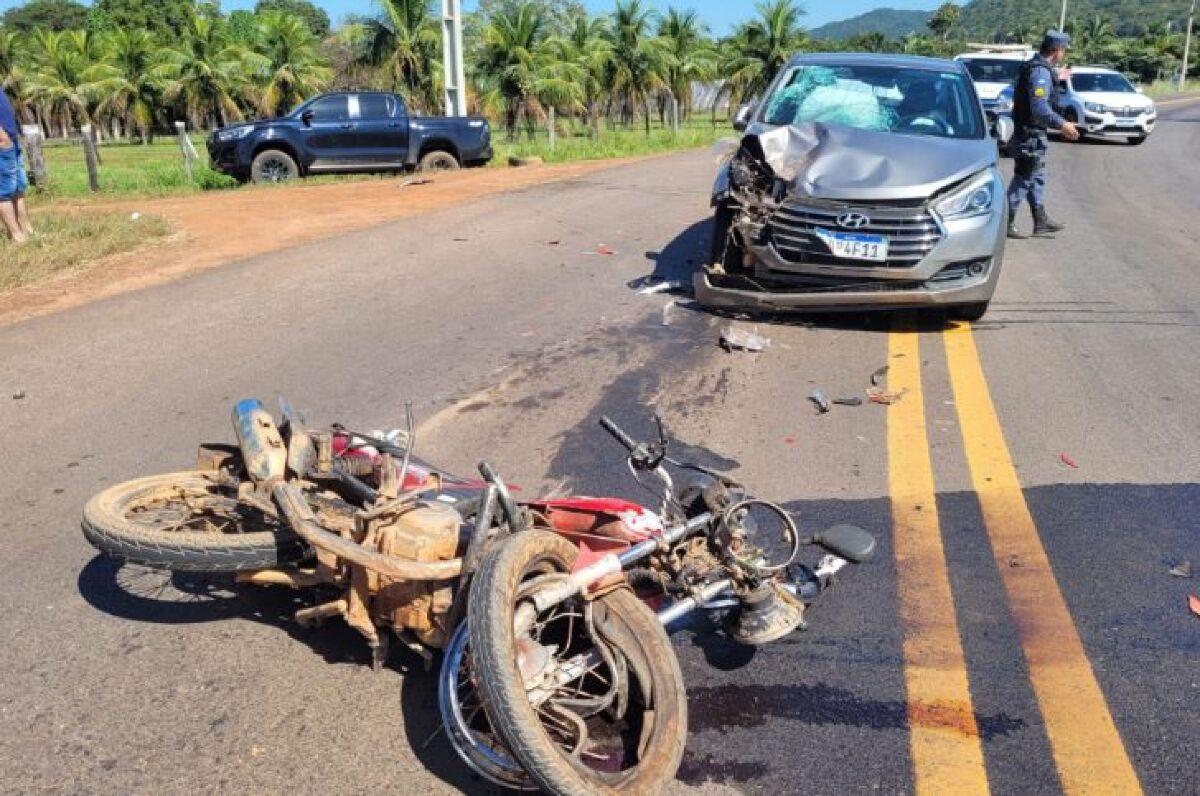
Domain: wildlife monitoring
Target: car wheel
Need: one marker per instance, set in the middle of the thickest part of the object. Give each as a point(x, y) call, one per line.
point(726, 250)
point(273, 166)
point(969, 312)
point(438, 161)
point(1137, 139)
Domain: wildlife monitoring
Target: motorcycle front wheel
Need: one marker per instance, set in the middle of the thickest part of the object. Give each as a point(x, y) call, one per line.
point(189, 521)
point(589, 698)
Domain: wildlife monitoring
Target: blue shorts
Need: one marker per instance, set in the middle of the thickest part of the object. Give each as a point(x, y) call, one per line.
point(12, 174)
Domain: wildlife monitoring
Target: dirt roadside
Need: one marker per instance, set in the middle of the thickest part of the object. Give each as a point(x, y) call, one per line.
point(217, 228)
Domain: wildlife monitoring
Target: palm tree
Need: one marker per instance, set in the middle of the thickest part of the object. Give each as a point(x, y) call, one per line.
point(691, 55)
point(639, 59)
point(520, 68)
point(762, 46)
point(286, 51)
point(59, 80)
point(129, 80)
point(406, 43)
point(14, 80)
point(207, 73)
point(587, 46)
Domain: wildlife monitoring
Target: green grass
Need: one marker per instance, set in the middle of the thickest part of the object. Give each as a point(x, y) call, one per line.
point(577, 144)
point(69, 242)
point(129, 169)
point(1167, 88)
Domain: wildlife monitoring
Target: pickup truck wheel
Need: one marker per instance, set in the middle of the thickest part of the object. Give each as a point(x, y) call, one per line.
point(272, 165)
point(438, 160)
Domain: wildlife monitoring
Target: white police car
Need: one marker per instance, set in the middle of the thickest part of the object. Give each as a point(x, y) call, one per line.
point(1102, 102)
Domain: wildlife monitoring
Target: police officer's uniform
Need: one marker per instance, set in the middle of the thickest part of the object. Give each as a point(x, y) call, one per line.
point(1033, 115)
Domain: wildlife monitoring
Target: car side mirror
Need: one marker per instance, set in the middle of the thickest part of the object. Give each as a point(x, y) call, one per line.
point(1003, 128)
point(741, 119)
point(307, 118)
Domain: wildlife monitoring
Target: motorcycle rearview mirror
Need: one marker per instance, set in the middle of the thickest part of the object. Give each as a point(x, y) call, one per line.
point(302, 452)
point(847, 541)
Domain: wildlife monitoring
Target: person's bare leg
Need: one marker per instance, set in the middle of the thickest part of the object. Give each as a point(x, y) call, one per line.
point(8, 213)
point(23, 215)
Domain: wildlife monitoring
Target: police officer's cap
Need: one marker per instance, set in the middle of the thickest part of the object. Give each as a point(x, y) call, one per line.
point(1055, 39)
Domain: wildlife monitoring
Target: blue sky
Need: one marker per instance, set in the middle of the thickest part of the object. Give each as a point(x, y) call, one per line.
point(720, 14)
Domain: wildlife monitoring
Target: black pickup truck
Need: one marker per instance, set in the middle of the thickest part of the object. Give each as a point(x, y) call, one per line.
point(348, 132)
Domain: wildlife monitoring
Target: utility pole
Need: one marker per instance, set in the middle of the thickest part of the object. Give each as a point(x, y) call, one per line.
point(1187, 47)
point(452, 57)
point(1062, 20)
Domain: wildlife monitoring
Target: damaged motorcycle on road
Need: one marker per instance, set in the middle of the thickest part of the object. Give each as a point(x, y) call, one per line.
point(557, 671)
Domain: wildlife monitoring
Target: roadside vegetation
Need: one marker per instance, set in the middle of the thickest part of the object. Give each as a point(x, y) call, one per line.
point(616, 83)
point(67, 242)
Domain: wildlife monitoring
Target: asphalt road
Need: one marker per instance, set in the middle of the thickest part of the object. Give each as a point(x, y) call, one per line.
point(1019, 630)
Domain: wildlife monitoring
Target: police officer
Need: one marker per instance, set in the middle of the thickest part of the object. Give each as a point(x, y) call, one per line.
point(1033, 114)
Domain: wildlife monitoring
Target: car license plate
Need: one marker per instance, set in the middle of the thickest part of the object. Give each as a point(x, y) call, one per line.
point(855, 246)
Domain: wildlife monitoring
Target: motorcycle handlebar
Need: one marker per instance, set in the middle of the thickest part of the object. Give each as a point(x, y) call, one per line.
point(618, 434)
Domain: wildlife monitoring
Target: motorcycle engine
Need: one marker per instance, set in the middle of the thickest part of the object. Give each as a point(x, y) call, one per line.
point(429, 531)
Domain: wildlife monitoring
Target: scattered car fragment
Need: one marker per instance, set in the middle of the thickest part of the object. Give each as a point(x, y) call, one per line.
point(862, 182)
point(733, 338)
point(820, 401)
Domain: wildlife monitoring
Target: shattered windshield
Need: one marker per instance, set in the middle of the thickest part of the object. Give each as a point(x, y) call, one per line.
point(881, 98)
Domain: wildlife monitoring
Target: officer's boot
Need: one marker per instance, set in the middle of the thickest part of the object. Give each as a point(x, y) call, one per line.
point(1043, 224)
point(1013, 232)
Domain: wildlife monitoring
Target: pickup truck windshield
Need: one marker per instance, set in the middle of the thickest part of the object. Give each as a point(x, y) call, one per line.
point(873, 97)
point(1101, 81)
point(992, 70)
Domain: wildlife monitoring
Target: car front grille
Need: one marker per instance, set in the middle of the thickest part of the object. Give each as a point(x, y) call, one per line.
point(912, 233)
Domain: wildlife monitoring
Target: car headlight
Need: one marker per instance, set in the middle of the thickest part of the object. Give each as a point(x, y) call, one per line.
point(234, 133)
point(1095, 107)
point(976, 198)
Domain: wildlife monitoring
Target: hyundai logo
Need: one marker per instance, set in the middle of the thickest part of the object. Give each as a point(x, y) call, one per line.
point(853, 220)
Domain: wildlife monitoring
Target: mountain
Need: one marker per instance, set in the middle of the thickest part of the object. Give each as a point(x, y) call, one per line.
point(987, 20)
point(892, 23)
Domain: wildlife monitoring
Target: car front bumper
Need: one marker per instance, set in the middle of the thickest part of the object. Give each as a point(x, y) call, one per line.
point(1111, 124)
point(962, 268)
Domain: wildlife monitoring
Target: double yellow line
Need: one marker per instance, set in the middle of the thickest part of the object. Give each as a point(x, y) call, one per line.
point(946, 749)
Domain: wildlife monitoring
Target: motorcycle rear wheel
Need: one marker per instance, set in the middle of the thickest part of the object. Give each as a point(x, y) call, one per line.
point(187, 521)
point(637, 750)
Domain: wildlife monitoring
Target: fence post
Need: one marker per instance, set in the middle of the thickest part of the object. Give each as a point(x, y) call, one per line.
point(186, 149)
point(89, 158)
point(32, 133)
point(553, 130)
point(675, 115)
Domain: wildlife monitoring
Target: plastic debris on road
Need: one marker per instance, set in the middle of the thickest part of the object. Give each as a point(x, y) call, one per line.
point(1068, 461)
point(665, 286)
point(877, 376)
point(852, 400)
point(1194, 604)
point(877, 395)
point(20, 396)
point(1182, 570)
point(819, 400)
point(604, 248)
point(666, 312)
point(415, 181)
point(742, 340)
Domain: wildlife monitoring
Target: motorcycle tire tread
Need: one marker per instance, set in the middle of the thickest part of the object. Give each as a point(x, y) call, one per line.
point(108, 530)
point(491, 627)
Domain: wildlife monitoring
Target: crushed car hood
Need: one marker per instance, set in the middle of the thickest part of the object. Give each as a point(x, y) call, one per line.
point(837, 162)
